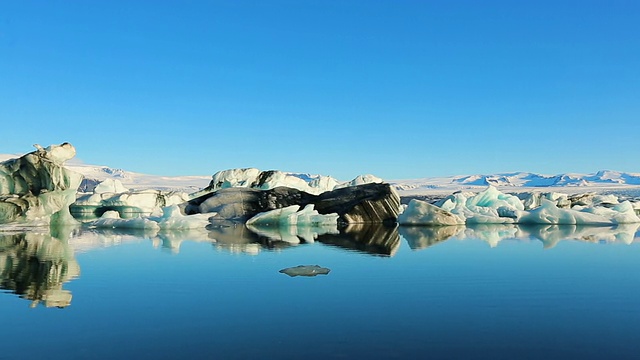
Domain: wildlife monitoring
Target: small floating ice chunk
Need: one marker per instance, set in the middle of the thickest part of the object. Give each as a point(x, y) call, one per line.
point(305, 270)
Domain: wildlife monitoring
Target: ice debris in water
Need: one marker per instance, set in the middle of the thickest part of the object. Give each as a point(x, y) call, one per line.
point(171, 218)
point(494, 207)
point(111, 219)
point(305, 270)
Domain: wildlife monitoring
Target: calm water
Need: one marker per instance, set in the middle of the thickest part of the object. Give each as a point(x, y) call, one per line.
point(486, 292)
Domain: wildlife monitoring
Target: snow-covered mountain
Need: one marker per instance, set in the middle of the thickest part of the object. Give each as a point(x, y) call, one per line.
point(93, 174)
point(600, 179)
point(137, 181)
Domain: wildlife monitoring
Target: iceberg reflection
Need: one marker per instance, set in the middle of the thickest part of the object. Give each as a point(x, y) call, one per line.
point(239, 238)
point(550, 235)
point(374, 239)
point(35, 266)
point(420, 237)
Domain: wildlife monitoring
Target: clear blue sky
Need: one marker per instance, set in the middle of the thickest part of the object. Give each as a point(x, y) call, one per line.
point(398, 89)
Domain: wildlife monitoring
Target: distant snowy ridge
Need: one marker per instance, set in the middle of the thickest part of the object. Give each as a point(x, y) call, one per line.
point(520, 179)
point(94, 174)
point(605, 178)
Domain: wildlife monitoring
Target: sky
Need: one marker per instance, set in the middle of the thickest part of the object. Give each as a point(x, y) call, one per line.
point(398, 89)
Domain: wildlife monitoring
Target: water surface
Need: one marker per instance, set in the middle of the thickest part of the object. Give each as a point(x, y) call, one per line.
point(415, 292)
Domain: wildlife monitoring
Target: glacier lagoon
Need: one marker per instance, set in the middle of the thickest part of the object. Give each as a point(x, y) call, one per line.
point(296, 272)
point(489, 291)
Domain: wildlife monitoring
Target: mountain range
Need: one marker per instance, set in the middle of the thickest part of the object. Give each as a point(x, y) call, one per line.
point(600, 179)
point(603, 178)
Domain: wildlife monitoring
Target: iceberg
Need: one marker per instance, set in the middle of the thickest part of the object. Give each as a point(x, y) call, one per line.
point(111, 219)
point(264, 180)
point(532, 200)
point(292, 215)
point(289, 224)
point(172, 218)
point(36, 189)
point(549, 213)
point(494, 207)
point(110, 194)
point(422, 213)
point(368, 203)
point(486, 207)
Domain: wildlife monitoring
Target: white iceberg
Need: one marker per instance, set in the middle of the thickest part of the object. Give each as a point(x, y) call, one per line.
point(110, 194)
point(422, 213)
point(289, 224)
point(264, 180)
point(292, 215)
point(111, 219)
point(487, 207)
point(110, 186)
point(549, 213)
point(172, 218)
point(532, 200)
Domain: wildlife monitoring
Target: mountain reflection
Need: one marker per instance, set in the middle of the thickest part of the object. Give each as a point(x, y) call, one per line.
point(35, 266)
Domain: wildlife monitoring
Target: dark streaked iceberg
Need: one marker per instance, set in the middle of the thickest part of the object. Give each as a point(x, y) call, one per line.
point(367, 203)
point(36, 189)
